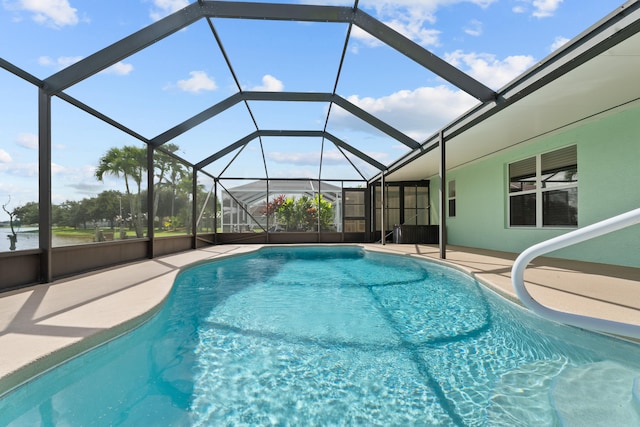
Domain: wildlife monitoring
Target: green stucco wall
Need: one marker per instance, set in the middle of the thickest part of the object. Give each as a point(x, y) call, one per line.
point(609, 184)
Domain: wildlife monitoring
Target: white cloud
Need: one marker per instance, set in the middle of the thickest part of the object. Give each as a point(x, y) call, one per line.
point(53, 13)
point(87, 187)
point(558, 43)
point(4, 156)
point(417, 113)
point(198, 82)
point(333, 157)
point(295, 158)
point(28, 140)
point(409, 26)
point(269, 84)
point(23, 170)
point(489, 70)
point(474, 28)
point(82, 180)
point(59, 63)
point(57, 169)
point(411, 18)
point(545, 8)
point(414, 30)
point(330, 157)
point(295, 172)
point(163, 8)
point(364, 37)
point(119, 68)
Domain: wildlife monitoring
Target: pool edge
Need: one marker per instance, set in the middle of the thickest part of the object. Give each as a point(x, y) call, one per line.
point(173, 265)
point(45, 362)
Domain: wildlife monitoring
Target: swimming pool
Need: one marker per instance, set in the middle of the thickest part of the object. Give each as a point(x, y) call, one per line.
point(337, 336)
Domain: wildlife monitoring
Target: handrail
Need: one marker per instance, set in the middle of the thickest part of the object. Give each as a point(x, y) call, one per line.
point(589, 232)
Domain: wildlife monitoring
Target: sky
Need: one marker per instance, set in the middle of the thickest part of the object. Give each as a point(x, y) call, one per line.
point(157, 88)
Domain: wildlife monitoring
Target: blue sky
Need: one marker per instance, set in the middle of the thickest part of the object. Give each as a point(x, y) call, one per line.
point(155, 89)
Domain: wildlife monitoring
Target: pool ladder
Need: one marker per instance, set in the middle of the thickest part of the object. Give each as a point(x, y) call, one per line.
point(589, 232)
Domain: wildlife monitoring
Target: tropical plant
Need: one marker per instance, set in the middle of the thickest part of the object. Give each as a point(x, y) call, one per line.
point(167, 171)
point(128, 162)
point(305, 214)
point(302, 214)
point(271, 208)
point(326, 212)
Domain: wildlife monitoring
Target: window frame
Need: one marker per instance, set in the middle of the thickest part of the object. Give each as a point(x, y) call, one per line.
point(451, 199)
point(347, 219)
point(539, 191)
point(397, 214)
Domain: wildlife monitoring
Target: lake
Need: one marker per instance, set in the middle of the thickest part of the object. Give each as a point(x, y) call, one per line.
point(28, 239)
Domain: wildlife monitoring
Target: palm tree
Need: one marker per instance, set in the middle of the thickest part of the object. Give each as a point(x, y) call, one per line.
point(179, 181)
point(131, 163)
point(169, 172)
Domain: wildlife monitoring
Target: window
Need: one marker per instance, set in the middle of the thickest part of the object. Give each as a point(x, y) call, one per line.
point(354, 210)
point(406, 203)
point(543, 190)
point(452, 199)
point(392, 207)
point(416, 205)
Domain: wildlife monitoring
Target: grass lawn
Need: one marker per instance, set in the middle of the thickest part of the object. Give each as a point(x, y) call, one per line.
point(79, 232)
point(70, 232)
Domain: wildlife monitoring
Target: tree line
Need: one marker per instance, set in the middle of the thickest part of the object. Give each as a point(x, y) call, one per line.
point(173, 185)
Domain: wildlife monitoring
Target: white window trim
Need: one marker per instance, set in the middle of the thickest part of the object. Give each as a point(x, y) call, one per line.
point(538, 191)
point(450, 198)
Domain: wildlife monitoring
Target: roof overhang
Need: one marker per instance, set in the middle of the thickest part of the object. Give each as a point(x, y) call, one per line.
point(594, 73)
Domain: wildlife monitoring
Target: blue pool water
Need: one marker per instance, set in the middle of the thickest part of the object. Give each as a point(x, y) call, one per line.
point(335, 336)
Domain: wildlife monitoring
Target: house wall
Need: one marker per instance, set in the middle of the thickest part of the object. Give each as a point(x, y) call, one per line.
point(608, 181)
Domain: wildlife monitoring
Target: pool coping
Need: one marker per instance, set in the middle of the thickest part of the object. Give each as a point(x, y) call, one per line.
point(599, 290)
point(46, 325)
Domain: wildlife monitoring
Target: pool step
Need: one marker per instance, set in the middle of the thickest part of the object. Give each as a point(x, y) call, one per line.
point(579, 399)
point(521, 398)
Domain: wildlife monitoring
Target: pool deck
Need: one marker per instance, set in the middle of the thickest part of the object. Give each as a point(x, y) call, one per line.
point(43, 325)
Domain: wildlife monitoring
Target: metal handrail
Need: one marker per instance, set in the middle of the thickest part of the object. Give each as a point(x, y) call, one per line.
point(589, 232)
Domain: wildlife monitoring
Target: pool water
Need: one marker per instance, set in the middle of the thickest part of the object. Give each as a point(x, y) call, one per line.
point(337, 336)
